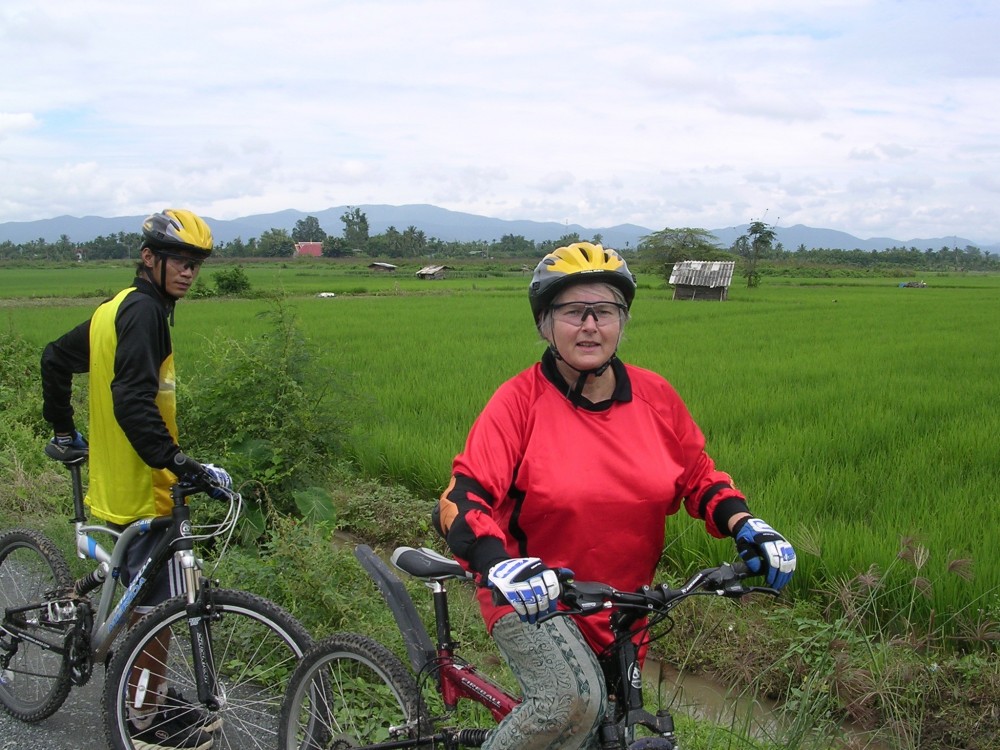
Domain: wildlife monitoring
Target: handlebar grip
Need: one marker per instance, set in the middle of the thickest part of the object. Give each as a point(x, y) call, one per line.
point(741, 569)
point(185, 465)
point(498, 598)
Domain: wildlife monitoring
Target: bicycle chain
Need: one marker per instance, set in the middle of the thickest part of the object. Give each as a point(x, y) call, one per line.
point(78, 652)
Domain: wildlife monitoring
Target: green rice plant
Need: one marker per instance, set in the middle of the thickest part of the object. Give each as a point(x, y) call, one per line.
point(886, 670)
point(850, 413)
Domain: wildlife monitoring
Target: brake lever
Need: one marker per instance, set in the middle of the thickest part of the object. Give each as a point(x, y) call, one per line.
point(549, 615)
point(761, 590)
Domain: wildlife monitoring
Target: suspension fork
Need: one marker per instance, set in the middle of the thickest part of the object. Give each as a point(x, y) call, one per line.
point(200, 606)
point(201, 611)
point(623, 676)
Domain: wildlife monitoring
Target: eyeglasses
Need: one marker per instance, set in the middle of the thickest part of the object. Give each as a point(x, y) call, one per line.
point(575, 313)
point(184, 263)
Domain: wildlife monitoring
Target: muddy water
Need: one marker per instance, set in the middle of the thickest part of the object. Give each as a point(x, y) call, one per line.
point(702, 697)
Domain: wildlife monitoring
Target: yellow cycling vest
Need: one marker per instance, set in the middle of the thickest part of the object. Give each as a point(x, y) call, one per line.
point(122, 486)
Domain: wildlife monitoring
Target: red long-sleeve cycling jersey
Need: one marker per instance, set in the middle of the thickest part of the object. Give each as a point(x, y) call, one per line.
point(579, 485)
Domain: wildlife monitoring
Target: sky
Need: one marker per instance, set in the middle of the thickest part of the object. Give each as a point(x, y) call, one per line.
point(876, 118)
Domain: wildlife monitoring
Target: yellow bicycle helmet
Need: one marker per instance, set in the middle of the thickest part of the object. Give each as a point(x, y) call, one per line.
point(176, 229)
point(581, 262)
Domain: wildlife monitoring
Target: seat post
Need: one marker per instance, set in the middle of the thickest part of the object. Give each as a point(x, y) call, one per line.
point(79, 516)
point(441, 616)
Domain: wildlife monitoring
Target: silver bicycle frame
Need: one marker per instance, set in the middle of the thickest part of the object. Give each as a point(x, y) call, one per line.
point(109, 617)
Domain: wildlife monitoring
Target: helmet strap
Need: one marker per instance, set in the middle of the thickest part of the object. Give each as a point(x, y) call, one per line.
point(582, 375)
point(161, 286)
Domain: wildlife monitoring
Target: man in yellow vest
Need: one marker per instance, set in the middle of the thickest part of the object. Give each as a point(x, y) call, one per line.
point(134, 454)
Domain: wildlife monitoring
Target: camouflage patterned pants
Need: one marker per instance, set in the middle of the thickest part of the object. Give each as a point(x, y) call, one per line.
point(564, 697)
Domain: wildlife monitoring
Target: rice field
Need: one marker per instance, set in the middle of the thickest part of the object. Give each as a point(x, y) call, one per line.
point(853, 413)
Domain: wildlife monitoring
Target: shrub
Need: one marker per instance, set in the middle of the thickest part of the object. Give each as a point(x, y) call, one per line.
point(233, 281)
point(267, 413)
point(30, 484)
point(200, 290)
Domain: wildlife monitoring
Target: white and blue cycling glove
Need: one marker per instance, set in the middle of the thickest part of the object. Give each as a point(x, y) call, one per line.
point(765, 551)
point(220, 479)
point(531, 588)
point(220, 483)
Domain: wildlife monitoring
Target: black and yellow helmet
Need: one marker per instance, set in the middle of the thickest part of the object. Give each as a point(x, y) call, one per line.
point(581, 262)
point(176, 229)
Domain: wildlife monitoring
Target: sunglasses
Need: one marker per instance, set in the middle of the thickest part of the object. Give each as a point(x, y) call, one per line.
point(576, 313)
point(184, 263)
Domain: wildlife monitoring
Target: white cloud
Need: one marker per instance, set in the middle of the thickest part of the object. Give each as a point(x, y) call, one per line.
point(585, 111)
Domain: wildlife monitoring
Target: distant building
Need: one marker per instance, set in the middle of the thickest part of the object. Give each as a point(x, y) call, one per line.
point(432, 272)
point(702, 279)
point(379, 266)
point(309, 249)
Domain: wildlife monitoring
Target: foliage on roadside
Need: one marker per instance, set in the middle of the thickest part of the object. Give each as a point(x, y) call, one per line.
point(832, 659)
point(28, 480)
point(265, 411)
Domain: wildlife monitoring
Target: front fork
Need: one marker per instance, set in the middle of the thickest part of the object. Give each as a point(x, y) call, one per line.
point(615, 735)
point(623, 678)
point(200, 613)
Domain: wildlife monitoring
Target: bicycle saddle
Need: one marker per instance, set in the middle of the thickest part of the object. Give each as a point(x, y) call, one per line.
point(426, 563)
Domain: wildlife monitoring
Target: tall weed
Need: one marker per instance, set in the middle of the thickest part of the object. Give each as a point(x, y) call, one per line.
point(30, 483)
point(265, 410)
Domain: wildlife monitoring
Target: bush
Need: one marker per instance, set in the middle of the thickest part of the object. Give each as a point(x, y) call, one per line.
point(200, 290)
point(30, 483)
point(266, 413)
point(232, 282)
point(20, 385)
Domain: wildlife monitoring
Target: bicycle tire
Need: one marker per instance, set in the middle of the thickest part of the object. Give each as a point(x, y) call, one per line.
point(350, 691)
point(36, 681)
point(255, 645)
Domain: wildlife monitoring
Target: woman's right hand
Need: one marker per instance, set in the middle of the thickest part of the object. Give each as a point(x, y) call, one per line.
point(531, 588)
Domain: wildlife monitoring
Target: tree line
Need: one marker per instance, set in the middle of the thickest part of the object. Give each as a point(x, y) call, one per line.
point(757, 248)
point(354, 239)
point(659, 249)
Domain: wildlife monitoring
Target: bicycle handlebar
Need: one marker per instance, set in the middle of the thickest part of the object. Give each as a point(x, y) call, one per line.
point(192, 478)
point(588, 597)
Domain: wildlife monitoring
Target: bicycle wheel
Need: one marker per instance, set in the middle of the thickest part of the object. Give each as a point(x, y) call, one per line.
point(350, 691)
point(254, 646)
point(34, 681)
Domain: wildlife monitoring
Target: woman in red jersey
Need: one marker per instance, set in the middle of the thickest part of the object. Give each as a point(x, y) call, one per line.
point(575, 463)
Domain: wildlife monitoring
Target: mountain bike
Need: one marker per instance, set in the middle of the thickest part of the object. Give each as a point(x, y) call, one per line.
point(350, 691)
point(230, 652)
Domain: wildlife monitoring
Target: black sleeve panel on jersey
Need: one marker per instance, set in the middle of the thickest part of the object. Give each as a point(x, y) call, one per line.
point(143, 344)
point(707, 495)
point(462, 519)
point(717, 504)
point(725, 510)
point(61, 359)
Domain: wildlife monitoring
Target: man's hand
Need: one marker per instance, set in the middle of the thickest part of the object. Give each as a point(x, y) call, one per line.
point(219, 483)
point(68, 447)
point(222, 483)
point(530, 587)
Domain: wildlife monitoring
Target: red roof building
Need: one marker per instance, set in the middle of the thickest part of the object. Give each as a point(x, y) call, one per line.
point(312, 249)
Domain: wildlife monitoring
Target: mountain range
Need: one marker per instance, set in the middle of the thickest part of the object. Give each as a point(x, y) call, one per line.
point(452, 226)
